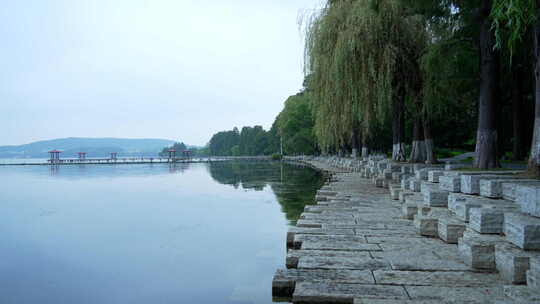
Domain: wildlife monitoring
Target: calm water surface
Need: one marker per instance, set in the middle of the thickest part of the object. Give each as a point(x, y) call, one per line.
point(196, 233)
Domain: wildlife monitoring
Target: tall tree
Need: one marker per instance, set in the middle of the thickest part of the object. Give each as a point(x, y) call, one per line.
point(361, 56)
point(511, 20)
point(486, 137)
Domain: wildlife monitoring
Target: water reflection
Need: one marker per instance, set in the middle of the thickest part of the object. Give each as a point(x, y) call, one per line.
point(294, 185)
point(190, 233)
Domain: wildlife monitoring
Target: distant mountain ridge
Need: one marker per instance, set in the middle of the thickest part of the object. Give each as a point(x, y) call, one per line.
point(95, 147)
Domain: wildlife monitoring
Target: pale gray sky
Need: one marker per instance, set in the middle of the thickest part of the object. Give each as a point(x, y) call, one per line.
point(174, 69)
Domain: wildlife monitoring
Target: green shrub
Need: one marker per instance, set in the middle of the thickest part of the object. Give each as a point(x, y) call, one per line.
point(276, 156)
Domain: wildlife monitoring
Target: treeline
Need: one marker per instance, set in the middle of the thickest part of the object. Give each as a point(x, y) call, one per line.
point(409, 75)
point(292, 129)
point(180, 148)
point(412, 78)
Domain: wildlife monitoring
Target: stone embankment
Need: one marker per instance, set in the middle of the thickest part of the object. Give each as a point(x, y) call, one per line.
point(386, 233)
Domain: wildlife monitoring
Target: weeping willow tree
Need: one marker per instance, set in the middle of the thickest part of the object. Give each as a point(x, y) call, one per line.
point(362, 58)
point(511, 19)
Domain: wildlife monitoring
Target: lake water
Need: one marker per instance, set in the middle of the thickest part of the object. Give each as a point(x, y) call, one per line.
point(191, 233)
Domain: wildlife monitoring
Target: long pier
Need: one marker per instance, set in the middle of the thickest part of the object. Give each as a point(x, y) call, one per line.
point(137, 160)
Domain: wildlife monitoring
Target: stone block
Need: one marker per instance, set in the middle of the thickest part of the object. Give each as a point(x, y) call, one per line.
point(477, 253)
point(436, 198)
point(509, 189)
point(411, 258)
point(450, 230)
point(535, 265)
point(341, 262)
point(425, 186)
point(327, 193)
point(493, 188)
point(395, 191)
point(331, 244)
point(513, 263)
point(522, 230)
point(529, 199)
point(449, 167)
point(404, 194)
point(421, 174)
point(382, 165)
point(461, 204)
point(319, 222)
point(436, 278)
point(301, 230)
point(533, 279)
point(456, 295)
point(330, 292)
point(395, 168)
point(426, 225)
point(406, 169)
point(409, 210)
point(414, 185)
point(285, 280)
point(522, 294)
point(433, 176)
point(462, 209)
point(405, 181)
point(470, 184)
point(486, 221)
point(320, 198)
point(293, 256)
point(450, 183)
point(423, 210)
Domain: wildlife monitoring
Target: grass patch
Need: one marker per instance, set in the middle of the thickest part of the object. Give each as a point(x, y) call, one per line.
point(478, 169)
point(509, 161)
point(448, 153)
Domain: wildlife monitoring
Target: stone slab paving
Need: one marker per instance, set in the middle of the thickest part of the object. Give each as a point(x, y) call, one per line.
point(293, 256)
point(359, 249)
point(356, 262)
point(330, 292)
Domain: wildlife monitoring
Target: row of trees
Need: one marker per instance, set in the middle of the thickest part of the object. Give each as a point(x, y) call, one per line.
point(421, 69)
point(292, 130)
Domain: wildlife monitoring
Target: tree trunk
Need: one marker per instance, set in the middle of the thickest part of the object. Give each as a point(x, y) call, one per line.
point(535, 146)
point(398, 127)
point(418, 154)
point(355, 142)
point(431, 158)
point(486, 137)
point(517, 143)
point(365, 148)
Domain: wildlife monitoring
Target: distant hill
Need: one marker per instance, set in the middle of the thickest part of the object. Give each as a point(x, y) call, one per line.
point(95, 147)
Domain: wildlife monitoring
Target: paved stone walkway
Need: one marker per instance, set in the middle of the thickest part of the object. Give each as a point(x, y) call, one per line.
point(355, 247)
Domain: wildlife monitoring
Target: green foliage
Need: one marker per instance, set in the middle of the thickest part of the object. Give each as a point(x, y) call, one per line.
point(360, 54)
point(511, 20)
point(250, 141)
point(276, 156)
point(295, 126)
point(179, 147)
point(235, 151)
point(221, 143)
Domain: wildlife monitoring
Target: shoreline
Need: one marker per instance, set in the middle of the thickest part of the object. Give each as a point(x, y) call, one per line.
point(133, 161)
point(370, 240)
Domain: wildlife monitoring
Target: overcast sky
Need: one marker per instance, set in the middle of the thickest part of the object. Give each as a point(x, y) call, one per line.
point(173, 69)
